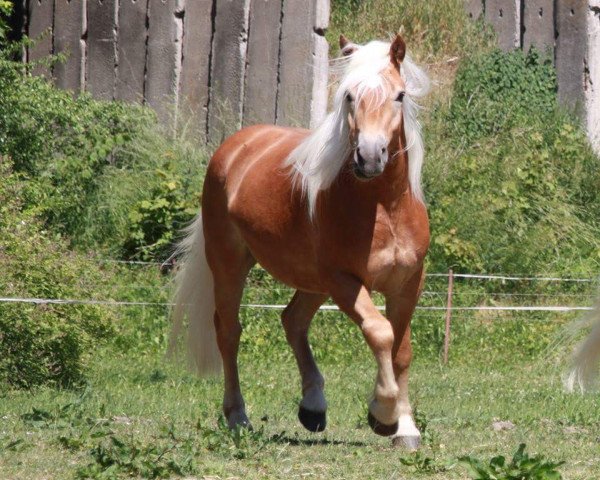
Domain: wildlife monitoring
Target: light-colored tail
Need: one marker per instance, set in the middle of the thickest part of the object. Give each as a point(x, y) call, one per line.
point(586, 359)
point(195, 302)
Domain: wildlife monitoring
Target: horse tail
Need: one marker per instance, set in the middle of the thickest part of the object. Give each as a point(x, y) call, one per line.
point(194, 300)
point(586, 359)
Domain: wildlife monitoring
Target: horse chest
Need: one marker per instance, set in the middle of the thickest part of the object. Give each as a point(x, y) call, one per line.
point(394, 253)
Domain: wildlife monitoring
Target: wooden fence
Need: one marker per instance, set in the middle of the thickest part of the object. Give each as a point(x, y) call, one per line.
point(570, 29)
point(220, 63)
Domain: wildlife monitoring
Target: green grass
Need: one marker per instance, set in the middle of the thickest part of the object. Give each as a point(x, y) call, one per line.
point(434, 31)
point(153, 418)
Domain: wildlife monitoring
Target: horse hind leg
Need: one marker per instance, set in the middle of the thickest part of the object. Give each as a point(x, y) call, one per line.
point(230, 262)
point(296, 319)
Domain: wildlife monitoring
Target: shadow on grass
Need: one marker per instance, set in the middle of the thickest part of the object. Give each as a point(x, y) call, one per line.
point(302, 442)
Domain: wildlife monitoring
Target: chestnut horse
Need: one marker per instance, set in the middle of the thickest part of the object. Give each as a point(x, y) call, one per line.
point(336, 212)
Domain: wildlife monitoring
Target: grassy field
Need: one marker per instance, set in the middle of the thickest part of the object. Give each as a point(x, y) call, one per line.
point(142, 417)
point(137, 415)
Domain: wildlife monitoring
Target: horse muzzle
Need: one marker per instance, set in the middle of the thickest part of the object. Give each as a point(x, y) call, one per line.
point(367, 166)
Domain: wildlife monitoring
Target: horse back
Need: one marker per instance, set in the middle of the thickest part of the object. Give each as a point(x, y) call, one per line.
point(247, 185)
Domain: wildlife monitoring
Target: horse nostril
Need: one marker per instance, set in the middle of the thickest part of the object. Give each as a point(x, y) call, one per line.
point(359, 158)
point(383, 150)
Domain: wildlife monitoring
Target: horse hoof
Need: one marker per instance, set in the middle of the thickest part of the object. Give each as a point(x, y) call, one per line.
point(381, 428)
point(241, 422)
point(407, 442)
point(312, 421)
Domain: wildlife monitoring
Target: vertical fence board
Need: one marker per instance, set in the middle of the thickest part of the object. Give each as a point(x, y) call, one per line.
point(101, 60)
point(505, 15)
point(295, 70)
point(40, 14)
point(320, 63)
point(228, 62)
point(592, 79)
point(68, 30)
point(538, 21)
point(197, 34)
point(571, 17)
point(260, 101)
point(163, 57)
point(474, 8)
point(131, 47)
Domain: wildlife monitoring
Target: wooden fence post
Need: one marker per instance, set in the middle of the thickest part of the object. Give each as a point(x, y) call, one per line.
point(448, 315)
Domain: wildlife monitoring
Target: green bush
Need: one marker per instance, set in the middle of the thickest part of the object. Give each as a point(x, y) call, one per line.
point(100, 173)
point(5, 10)
point(58, 142)
point(43, 344)
point(511, 180)
point(139, 207)
point(496, 91)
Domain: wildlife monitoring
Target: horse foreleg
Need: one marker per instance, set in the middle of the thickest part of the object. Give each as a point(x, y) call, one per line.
point(355, 300)
point(399, 309)
point(296, 320)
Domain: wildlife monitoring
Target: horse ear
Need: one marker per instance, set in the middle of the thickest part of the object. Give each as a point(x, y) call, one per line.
point(397, 51)
point(347, 47)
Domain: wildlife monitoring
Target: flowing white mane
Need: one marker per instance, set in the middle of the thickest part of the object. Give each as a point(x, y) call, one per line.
point(317, 161)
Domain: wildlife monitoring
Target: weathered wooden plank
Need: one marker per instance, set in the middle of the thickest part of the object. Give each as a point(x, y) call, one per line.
point(228, 59)
point(260, 99)
point(474, 8)
point(101, 61)
point(295, 66)
point(69, 22)
point(320, 63)
point(131, 47)
point(41, 21)
point(505, 17)
point(538, 22)
point(320, 58)
point(164, 56)
point(571, 18)
point(197, 33)
point(592, 81)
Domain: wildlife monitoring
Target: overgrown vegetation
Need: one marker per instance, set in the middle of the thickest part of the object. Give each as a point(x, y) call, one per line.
point(510, 179)
point(522, 466)
point(104, 175)
point(512, 187)
point(42, 343)
point(435, 30)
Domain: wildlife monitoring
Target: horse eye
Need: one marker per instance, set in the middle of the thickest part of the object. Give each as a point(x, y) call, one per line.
point(400, 97)
point(349, 98)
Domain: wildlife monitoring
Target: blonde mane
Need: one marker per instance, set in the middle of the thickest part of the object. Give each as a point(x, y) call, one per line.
point(317, 161)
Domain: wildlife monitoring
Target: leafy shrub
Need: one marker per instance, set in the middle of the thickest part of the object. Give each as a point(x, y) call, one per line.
point(42, 344)
point(5, 10)
point(496, 91)
point(522, 466)
point(100, 173)
point(511, 180)
point(139, 207)
point(58, 142)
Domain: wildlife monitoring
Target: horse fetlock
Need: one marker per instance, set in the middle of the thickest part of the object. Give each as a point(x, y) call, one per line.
point(386, 413)
point(388, 395)
point(410, 443)
point(313, 399)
